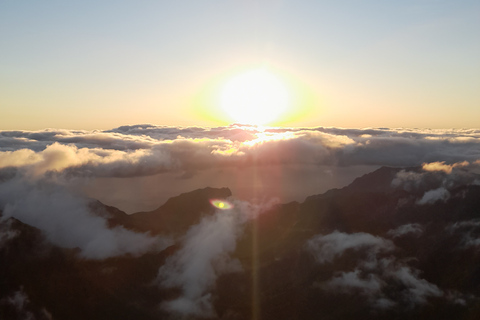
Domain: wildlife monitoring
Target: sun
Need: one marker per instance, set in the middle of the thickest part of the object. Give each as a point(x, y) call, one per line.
point(255, 97)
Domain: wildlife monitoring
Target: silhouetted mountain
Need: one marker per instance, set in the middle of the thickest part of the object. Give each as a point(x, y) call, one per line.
point(172, 218)
point(397, 243)
point(179, 213)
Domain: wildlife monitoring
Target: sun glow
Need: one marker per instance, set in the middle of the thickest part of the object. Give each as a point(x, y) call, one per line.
point(255, 97)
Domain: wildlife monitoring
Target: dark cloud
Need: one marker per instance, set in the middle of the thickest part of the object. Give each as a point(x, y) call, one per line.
point(327, 247)
point(413, 229)
point(468, 231)
point(19, 301)
point(7, 233)
point(17, 305)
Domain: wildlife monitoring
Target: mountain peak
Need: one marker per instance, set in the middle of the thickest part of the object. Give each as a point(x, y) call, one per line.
point(180, 212)
point(379, 180)
point(200, 197)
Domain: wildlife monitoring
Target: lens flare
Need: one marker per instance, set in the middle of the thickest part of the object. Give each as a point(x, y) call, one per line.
point(221, 204)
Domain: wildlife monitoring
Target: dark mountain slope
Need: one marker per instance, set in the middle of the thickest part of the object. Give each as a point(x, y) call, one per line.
point(436, 254)
point(55, 281)
point(419, 259)
point(172, 218)
point(178, 213)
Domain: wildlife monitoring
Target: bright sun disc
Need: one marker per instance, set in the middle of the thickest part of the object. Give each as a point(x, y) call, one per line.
point(254, 97)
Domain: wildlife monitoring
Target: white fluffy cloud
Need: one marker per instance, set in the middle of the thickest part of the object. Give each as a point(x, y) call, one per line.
point(434, 181)
point(147, 149)
point(204, 255)
point(66, 220)
point(58, 158)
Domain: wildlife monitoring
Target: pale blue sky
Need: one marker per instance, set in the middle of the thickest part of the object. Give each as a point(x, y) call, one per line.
point(100, 64)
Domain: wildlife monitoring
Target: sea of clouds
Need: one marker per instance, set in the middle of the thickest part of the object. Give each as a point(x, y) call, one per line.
point(130, 166)
point(48, 178)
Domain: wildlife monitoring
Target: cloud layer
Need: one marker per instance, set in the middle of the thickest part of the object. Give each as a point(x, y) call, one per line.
point(113, 165)
point(147, 150)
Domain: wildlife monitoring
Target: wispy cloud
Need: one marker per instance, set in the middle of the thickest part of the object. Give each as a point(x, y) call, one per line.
point(432, 196)
point(468, 231)
point(203, 256)
point(376, 275)
point(413, 229)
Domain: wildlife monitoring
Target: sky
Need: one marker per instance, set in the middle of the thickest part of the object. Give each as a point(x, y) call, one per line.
point(352, 64)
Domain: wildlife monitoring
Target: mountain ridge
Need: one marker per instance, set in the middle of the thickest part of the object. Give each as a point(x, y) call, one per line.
point(412, 250)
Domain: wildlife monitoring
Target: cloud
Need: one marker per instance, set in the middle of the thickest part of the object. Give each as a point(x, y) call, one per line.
point(108, 153)
point(19, 306)
point(418, 290)
point(435, 181)
point(19, 302)
point(327, 247)
point(432, 196)
point(437, 166)
point(413, 181)
point(6, 232)
point(68, 160)
point(66, 220)
point(203, 256)
point(468, 231)
point(376, 275)
point(19, 158)
point(413, 229)
point(132, 160)
point(371, 284)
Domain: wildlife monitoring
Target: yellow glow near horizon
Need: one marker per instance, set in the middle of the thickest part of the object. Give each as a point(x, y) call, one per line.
point(255, 97)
